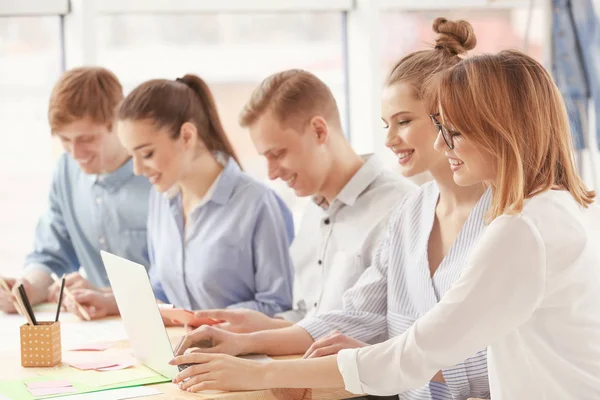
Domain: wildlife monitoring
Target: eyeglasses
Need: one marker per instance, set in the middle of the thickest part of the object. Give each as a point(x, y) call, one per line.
point(447, 134)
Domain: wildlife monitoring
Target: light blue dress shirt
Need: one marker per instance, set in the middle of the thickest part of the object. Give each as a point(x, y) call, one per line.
point(89, 213)
point(232, 253)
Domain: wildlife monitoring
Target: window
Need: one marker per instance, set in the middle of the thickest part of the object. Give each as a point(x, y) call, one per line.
point(496, 29)
point(30, 60)
point(233, 52)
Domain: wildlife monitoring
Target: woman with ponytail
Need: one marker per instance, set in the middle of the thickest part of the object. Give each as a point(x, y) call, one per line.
point(217, 238)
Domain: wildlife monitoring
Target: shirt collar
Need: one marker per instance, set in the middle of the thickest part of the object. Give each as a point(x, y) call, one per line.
point(361, 180)
point(115, 179)
point(221, 189)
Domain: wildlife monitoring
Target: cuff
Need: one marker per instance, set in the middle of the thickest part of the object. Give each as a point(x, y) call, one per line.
point(347, 361)
point(291, 315)
point(39, 267)
point(315, 327)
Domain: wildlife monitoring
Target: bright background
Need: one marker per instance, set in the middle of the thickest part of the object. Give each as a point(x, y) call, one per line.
point(233, 44)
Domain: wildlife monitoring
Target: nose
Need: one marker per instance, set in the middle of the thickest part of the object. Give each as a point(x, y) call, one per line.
point(76, 150)
point(440, 144)
point(274, 171)
point(137, 166)
point(392, 139)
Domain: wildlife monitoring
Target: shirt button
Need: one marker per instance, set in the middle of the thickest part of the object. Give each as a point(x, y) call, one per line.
point(102, 240)
point(99, 200)
point(316, 303)
point(326, 221)
point(319, 262)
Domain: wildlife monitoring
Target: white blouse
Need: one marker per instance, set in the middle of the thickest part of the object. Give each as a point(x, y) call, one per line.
point(530, 292)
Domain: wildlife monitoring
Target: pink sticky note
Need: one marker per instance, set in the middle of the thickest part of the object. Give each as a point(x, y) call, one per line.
point(52, 391)
point(86, 366)
point(48, 384)
point(93, 347)
point(117, 367)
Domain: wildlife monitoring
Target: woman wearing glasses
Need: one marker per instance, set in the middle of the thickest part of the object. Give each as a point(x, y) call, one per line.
point(429, 237)
point(531, 288)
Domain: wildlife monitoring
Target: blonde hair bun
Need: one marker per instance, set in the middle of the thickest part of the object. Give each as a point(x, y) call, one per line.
point(457, 37)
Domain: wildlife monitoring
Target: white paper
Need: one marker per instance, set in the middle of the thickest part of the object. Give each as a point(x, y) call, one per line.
point(114, 394)
point(88, 332)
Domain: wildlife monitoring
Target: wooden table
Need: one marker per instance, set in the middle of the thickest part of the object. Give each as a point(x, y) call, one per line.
point(10, 368)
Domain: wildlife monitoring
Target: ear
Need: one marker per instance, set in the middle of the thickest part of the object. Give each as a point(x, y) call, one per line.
point(188, 134)
point(320, 128)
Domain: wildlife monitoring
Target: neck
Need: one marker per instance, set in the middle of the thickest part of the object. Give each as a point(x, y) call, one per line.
point(121, 157)
point(453, 196)
point(344, 165)
point(194, 185)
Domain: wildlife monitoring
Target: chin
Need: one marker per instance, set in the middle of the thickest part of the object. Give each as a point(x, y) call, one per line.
point(90, 169)
point(465, 179)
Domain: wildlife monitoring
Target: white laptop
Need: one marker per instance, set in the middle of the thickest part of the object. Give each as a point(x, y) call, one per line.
point(141, 316)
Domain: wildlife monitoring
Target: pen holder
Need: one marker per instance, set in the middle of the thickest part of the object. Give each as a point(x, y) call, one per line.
point(40, 345)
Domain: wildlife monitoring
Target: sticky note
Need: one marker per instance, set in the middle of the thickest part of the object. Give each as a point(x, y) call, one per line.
point(93, 347)
point(116, 367)
point(86, 366)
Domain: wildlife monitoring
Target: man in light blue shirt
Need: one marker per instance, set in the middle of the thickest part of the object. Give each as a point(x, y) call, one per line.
point(96, 202)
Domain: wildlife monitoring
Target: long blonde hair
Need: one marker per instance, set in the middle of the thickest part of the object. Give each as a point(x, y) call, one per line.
point(508, 104)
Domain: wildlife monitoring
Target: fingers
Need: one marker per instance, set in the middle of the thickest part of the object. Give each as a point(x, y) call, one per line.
point(191, 358)
point(326, 351)
point(218, 315)
point(197, 335)
point(207, 385)
point(53, 292)
point(191, 371)
point(327, 341)
point(195, 380)
point(7, 303)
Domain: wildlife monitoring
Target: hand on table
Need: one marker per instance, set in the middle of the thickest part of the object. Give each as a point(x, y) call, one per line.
point(332, 344)
point(222, 341)
point(97, 303)
point(218, 372)
point(240, 320)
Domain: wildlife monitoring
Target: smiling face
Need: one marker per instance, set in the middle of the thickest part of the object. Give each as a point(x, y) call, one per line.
point(471, 164)
point(300, 158)
point(156, 155)
point(93, 146)
point(410, 133)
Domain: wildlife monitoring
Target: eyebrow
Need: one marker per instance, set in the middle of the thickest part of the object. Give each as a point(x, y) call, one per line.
point(141, 146)
point(396, 114)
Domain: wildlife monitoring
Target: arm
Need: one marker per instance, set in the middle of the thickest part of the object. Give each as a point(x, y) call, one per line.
point(274, 274)
point(53, 250)
point(510, 259)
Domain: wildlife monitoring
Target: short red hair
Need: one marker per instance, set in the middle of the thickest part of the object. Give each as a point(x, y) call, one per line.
point(84, 92)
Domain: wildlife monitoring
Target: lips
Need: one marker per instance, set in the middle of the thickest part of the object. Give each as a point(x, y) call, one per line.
point(154, 178)
point(291, 180)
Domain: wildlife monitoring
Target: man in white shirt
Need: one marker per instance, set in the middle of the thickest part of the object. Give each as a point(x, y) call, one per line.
point(295, 124)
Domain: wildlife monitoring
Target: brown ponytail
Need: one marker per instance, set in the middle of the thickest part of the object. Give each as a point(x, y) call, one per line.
point(172, 103)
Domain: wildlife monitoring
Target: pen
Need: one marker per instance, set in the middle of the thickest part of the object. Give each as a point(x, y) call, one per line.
point(60, 298)
point(26, 303)
point(80, 308)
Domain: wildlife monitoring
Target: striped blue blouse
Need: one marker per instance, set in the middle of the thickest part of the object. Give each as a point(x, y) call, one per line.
point(398, 289)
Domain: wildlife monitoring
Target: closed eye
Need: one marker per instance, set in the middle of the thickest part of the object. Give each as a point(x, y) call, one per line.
point(405, 122)
point(148, 155)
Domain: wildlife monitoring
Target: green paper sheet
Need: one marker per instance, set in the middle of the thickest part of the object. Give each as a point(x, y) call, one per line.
point(16, 390)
